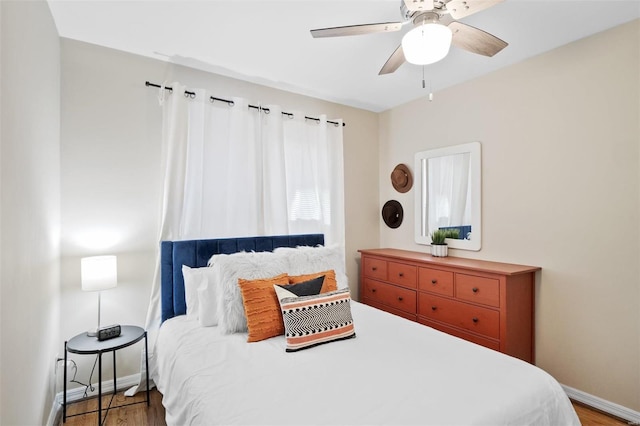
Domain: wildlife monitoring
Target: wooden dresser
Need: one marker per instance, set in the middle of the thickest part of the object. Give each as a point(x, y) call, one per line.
point(488, 303)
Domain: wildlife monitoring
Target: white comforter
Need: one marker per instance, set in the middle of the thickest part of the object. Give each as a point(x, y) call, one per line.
point(394, 372)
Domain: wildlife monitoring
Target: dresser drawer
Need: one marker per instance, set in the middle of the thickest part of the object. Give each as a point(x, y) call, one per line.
point(375, 268)
point(473, 318)
point(398, 312)
point(390, 295)
point(478, 289)
point(435, 281)
point(482, 341)
point(402, 274)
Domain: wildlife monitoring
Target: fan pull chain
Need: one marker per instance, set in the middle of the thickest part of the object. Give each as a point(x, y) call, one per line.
point(424, 86)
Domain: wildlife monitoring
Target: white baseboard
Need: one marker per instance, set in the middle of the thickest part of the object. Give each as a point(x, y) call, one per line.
point(77, 394)
point(603, 405)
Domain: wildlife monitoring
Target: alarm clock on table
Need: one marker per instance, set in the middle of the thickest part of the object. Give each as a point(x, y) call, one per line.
point(108, 332)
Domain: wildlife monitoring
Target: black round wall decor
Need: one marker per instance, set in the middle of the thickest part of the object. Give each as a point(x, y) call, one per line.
point(392, 213)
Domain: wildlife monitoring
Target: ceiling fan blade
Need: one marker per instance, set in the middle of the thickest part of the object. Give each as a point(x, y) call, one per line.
point(419, 5)
point(357, 29)
point(458, 9)
point(475, 40)
point(393, 63)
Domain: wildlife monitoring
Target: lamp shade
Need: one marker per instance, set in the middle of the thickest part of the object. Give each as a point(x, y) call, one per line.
point(426, 44)
point(99, 272)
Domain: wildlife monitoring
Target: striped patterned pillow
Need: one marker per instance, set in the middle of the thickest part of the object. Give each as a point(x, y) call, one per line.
point(313, 320)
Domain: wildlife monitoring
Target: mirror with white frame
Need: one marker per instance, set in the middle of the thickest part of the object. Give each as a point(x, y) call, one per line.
point(448, 194)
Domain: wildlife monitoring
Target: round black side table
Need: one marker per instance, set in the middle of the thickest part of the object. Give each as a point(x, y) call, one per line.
point(85, 345)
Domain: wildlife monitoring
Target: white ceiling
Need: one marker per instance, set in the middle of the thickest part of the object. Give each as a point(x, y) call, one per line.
point(268, 42)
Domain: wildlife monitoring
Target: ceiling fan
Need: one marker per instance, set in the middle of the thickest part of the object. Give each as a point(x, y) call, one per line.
point(435, 30)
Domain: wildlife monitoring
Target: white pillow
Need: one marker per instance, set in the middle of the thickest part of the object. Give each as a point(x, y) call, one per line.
point(200, 291)
point(192, 280)
point(228, 269)
point(208, 301)
point(308, 260)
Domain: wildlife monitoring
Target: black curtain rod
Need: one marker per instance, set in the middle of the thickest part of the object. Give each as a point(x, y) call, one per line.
point(231, 103)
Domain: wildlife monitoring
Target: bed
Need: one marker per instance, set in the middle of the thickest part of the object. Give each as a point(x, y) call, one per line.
point(393, 372)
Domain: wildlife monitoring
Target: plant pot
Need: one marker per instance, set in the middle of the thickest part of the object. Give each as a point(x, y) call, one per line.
point(439, 250)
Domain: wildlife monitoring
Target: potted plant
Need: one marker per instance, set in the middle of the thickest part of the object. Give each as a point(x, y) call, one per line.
point(439, 247)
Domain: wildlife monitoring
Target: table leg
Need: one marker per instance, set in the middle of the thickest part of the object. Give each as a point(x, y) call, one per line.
point(64, 387)
point(115, 386)
point(99, 388)
point(146, 360)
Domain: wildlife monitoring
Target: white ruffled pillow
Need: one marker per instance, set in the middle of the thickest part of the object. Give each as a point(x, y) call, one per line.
point(249, 266)
point(308, 260)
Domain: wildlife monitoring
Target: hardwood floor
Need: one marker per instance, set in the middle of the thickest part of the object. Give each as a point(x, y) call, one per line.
point(591, 417)
point(139, 414)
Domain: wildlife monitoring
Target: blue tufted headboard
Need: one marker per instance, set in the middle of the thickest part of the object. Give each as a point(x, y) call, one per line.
point(196, 254)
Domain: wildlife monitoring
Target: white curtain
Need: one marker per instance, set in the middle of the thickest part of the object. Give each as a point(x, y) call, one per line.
point(249, 173)
point(234, 171)
point(449, 182)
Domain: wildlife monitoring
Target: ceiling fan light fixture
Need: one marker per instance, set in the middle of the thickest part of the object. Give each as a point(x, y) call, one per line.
point(427, 43)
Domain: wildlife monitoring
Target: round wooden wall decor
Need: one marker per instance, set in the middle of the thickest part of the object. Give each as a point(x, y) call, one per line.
point(401, 178)
point(392, 213)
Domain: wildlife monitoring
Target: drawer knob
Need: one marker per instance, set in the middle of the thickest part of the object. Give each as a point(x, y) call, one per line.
point(373, 290)
point(400, 298)
point(374, 268)
point(434, 281)
point(433, 308)
point(475, 289)
point(474, 319)
point(401, 274)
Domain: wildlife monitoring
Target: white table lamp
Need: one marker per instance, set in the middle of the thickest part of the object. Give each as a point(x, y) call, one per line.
point(98, 273)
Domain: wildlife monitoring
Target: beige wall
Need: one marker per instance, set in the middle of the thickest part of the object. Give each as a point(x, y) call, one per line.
point(111, 131)
point(30, 211)
point(560, 179)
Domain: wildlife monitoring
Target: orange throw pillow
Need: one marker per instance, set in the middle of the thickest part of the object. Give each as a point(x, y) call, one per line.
point(330, 283)
point(262, 307)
